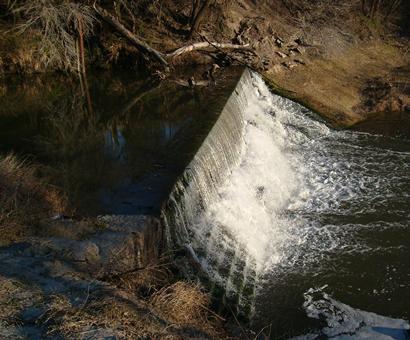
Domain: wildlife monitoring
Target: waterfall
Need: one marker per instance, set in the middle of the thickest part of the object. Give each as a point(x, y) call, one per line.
point(274, 191)
point(227, 224)
point(212, 163)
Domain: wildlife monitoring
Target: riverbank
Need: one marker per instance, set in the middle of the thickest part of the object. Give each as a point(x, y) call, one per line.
point(332, 58)
point(89, 278)
point(75, 194)
point(345, 75)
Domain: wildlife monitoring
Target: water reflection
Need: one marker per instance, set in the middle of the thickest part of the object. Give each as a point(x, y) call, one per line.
point(124, 154)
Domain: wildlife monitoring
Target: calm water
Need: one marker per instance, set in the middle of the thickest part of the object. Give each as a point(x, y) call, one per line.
point(121, 152)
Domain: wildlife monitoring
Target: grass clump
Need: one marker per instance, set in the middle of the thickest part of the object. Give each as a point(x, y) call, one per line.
point(24, 199)
point(15, 297)
point(174, 312)
point(182, 302)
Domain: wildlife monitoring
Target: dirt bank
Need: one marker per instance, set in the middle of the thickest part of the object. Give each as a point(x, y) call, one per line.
point(88, 278)
point(336, 58)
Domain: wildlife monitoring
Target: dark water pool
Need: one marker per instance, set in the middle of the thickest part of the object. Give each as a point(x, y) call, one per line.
point(117, 152)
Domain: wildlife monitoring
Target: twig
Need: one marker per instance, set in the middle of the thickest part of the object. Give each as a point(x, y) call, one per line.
point(261, 331)
point(238, 323)
point(213, 313)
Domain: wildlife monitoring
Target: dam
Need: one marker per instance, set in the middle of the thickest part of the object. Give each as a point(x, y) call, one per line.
point(284, 211)
point(297, 225)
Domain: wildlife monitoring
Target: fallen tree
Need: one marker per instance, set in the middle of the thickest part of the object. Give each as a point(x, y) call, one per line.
point(141, 45)
point(152, 53)
point(203, 45)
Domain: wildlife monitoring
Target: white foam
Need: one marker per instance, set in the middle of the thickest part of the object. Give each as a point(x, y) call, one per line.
point(250, 202)
point(345, 322)
point(293, 171)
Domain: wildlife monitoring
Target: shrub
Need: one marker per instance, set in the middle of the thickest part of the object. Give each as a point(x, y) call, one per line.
point(60, 23)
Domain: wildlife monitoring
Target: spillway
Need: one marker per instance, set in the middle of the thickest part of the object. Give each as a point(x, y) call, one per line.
point(276, 203)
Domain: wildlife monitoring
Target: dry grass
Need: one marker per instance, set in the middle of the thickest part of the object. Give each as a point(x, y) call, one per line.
point(14, 298)
point(182, 302)
point(24, 199)
point(142, 304)
point(57, 24)
point(175, 312)
point(100, 313)
point(147, 280)
point(18, 53)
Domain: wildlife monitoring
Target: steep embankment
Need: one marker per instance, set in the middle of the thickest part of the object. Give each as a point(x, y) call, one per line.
point(339, 59)
point(331, 58)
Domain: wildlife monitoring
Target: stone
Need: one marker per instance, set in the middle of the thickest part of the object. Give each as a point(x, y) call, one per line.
point(289, 65)
point(127, 242)
point(281, 54)
point(294, 50)
point(299, 61)
point(301, 41)
point(279, 42)
point(277, 68)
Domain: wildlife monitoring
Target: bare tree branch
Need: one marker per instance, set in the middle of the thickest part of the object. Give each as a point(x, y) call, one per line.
point(203, 45)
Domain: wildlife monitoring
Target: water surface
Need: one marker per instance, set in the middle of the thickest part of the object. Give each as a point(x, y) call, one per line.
point(310, 229)
point(119, 152)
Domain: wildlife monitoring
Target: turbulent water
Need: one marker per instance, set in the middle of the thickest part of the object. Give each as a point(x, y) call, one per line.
point(277, 204)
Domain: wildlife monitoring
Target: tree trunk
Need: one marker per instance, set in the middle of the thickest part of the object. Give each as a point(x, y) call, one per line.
point(374, 8)
point(364, 7)
point(194, 8)
point(82, 67)
point(198, 18)
point(81, 46)
point(142, 46)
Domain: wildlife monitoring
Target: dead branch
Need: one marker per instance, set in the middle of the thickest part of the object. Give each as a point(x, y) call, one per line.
point(203, 45)
point(142, 46)
point(242, 62)
point(190, 83)
point(157, 55)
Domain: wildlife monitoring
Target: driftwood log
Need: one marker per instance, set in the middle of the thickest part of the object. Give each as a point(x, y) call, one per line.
point(203, 45)
point(152, 53)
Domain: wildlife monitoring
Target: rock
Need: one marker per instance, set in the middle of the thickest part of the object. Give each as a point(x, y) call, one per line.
point(289, 65)
point(61, 226)
point(294, 50)
point(87, 252)
point(127, 243)
point(281, 54)
point(277, 68)
point(279, 42)
point(299, 61)
point(301, 41)
point(31, 314)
